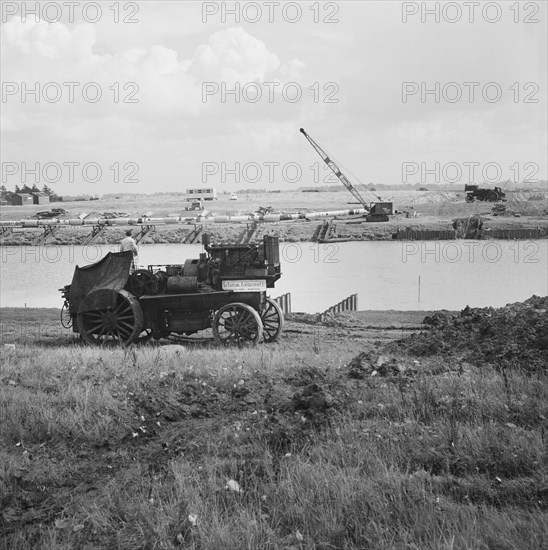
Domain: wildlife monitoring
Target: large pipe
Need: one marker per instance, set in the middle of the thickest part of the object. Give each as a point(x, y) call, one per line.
point(114, 222)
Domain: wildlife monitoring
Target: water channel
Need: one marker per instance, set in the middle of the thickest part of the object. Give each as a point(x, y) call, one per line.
point(386, 275)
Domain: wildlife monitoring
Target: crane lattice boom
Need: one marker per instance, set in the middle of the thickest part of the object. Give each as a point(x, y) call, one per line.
point(336, 170)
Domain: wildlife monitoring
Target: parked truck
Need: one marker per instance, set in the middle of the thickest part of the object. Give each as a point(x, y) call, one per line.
point(476, 193)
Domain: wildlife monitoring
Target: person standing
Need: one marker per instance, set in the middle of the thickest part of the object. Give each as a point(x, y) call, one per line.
point(128, 243)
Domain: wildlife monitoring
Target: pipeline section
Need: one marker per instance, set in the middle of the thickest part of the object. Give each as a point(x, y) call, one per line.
point(144, 221)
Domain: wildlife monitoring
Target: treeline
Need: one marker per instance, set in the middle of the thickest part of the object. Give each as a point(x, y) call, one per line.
point(6, 195)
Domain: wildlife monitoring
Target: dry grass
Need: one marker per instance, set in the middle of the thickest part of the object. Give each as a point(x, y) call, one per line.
point(130, 449)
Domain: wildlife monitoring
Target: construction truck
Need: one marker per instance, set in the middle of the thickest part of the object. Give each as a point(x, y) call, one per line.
point(476, 193)
point(375, 211)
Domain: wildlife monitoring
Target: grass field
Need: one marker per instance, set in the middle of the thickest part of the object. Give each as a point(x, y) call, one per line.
point(311, 443)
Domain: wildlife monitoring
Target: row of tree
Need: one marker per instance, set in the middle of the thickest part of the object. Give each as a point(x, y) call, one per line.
point(6, 195)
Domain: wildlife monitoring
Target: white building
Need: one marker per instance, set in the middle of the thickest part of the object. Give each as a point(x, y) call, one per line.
point(202, 193)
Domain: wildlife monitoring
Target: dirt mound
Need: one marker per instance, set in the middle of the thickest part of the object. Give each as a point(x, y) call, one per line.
point(512, 336)
point(370, 364)
point(433, 197)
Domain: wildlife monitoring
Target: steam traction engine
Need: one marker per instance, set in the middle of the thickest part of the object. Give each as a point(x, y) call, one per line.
point(224, 289)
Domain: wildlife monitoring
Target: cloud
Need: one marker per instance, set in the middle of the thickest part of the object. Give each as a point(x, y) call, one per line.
point(52, 52)
point(49, 40)
point(360, 63)
point(232, 55)
point(168, 86)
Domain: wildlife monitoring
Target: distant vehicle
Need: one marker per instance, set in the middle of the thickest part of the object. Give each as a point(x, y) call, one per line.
point(203, 193)
point(473, 193)
point(233, 197)
point(53, 213)
point(194, 205)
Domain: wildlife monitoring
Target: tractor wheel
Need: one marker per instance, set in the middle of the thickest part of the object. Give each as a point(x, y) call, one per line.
point(66, 317)
point(142, 282)
point(469, 198)
point(273, 320)
point(493, 196)
point(238, 324)
point(120, 324)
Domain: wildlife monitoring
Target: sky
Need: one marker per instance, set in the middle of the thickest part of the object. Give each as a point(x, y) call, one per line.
point(165, 96)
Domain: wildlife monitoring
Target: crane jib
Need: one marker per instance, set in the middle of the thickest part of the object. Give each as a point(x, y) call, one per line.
point(336, 170)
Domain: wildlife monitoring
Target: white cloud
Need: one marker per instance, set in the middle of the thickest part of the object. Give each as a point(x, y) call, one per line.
point(366, 56)
point(233, 55)
point(49, 40)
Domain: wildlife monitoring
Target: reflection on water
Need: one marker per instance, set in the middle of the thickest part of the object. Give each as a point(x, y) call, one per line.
point(386, 275)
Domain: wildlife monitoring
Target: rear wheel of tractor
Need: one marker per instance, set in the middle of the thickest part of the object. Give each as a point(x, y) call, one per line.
point(120, 324)
point(493, 196)
point(237, 324)
point(469, 198)
point(273, 320)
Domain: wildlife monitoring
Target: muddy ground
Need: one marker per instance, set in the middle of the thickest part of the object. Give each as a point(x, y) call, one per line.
point(417, 210)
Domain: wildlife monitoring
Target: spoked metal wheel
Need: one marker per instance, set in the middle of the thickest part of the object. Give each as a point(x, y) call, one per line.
point(66, 318)
point(120, 323)
point(238, 324)
point(469, 198)
point(272, 318)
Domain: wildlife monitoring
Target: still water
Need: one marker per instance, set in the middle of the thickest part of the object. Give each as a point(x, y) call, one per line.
point(385, 275)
